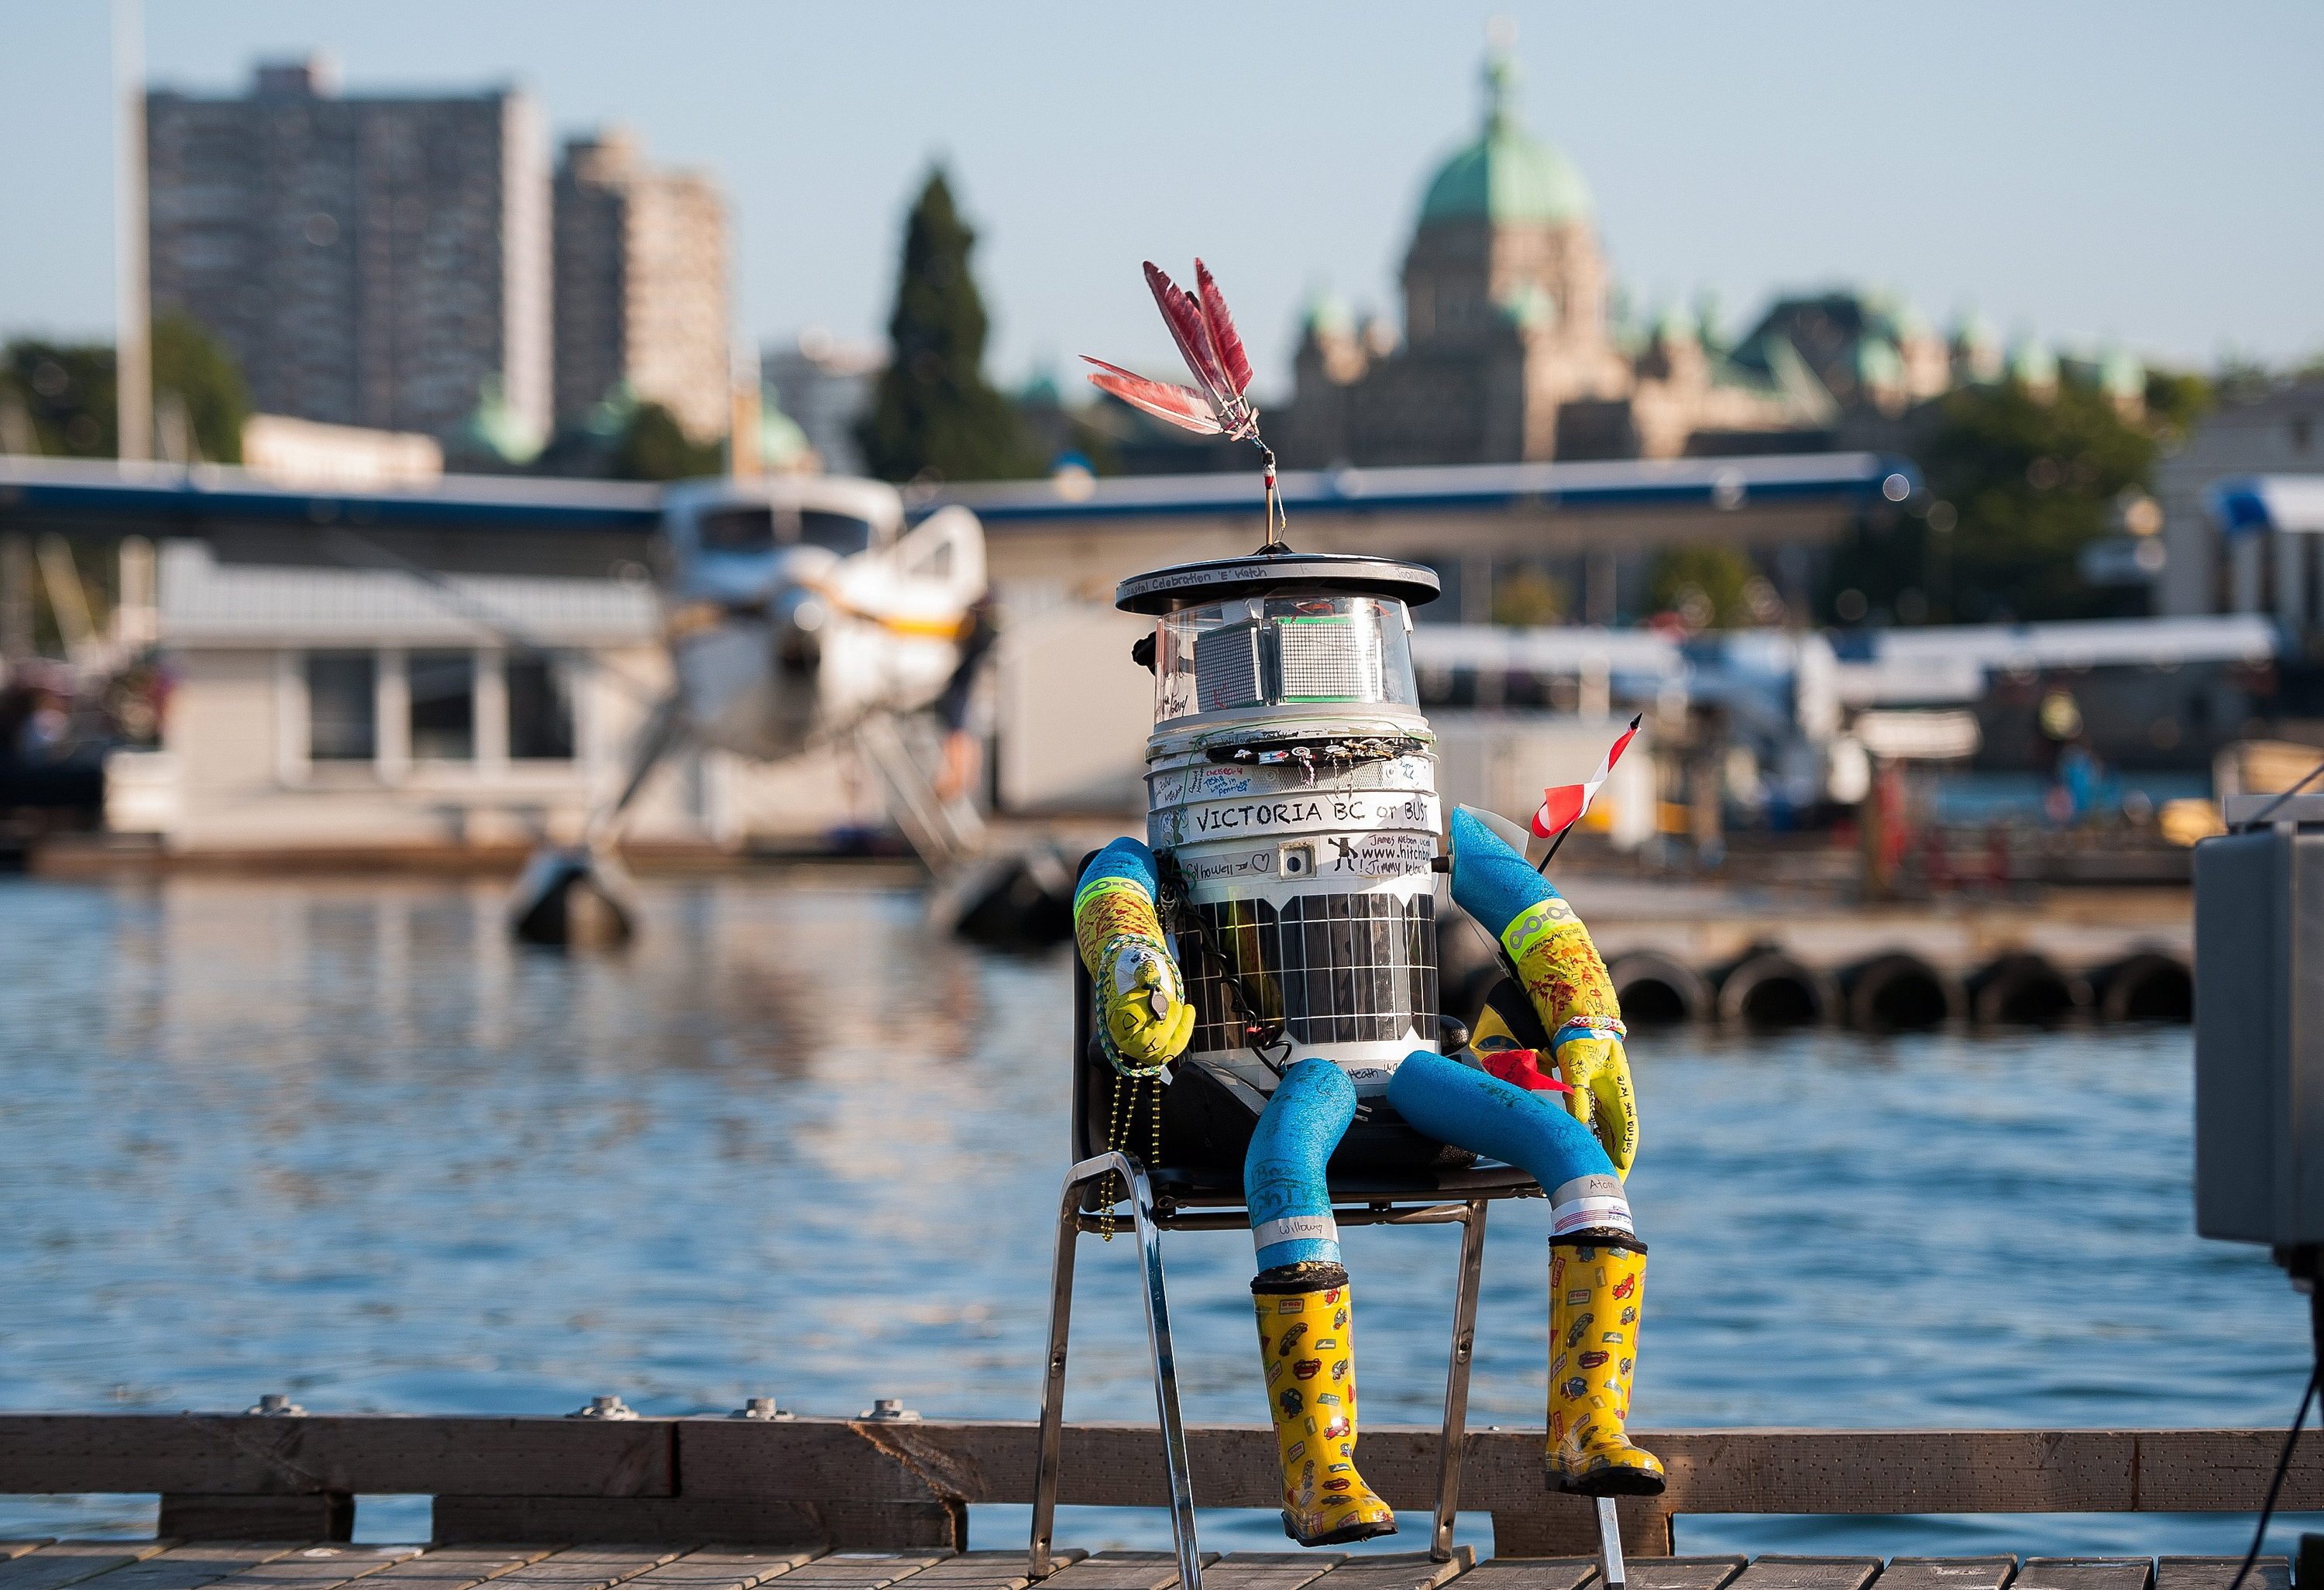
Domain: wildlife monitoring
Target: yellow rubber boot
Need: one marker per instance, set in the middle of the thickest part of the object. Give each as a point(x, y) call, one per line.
point(1595, 1295)
point(1306, 1325)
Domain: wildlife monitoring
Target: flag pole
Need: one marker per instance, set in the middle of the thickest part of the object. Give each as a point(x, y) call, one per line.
point(1605, 770)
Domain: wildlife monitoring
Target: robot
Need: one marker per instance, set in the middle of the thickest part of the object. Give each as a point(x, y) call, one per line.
point(1269, 948)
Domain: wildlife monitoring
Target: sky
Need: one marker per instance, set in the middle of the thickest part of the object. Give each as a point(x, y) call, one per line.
point(2146, 173)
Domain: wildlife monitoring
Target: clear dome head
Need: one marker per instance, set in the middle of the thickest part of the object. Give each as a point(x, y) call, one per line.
point(1252, 653)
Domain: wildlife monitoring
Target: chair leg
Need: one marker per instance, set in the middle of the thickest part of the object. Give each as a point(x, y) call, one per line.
point(1456, 1380)
point(1157, 1342)
point(1611, 1574)
point(1053, 1383)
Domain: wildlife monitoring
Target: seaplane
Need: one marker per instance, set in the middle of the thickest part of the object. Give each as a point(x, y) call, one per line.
point(799, 612)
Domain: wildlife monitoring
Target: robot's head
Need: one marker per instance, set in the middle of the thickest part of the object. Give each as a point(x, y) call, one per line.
point(1297, 643)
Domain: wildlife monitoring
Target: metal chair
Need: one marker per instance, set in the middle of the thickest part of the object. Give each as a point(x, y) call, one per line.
point(1205, 1194)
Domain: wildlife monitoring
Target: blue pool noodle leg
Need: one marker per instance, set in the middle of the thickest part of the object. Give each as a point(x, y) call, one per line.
point(1283, 1173)
point(1444, 1099)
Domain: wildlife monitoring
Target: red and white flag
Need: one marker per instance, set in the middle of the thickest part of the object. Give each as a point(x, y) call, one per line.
point(1562, 807)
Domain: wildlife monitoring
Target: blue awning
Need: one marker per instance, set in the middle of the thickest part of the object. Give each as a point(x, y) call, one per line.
point(2248, 504)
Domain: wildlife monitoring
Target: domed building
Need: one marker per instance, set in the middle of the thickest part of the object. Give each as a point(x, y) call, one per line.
point(1509, 349)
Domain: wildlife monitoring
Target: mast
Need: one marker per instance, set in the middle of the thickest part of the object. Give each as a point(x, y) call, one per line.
point(132, 300)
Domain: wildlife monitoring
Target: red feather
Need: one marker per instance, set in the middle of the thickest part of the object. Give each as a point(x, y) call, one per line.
point(1180, 405)
point(1224, 339)
point(1184, 314)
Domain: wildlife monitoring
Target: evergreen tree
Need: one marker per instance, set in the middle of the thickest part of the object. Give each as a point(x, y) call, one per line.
point(61, 396)
point(934, 414)
point(194, 367)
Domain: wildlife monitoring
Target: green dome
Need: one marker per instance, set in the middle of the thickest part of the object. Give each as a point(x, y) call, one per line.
point(497, 429)
point(783, 446)
point(1531, 306)
point(1507, 174)
point(1326, 314)
point(1877, 363)
point(2120, 374)
point(2031, 365)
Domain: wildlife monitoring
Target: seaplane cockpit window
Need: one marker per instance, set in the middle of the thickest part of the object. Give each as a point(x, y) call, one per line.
point(738, 530)
point(751, 527)
point(843, 533)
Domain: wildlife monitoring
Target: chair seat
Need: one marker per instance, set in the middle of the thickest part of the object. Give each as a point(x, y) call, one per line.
point(1195, 1189)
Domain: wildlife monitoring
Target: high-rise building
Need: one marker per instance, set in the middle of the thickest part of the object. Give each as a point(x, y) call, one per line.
point(369, 259)
point(641, 284)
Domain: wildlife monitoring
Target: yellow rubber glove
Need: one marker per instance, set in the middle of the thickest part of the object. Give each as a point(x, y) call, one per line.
point(1567, 982)
point(1146, 1019)
point(1598, 1070)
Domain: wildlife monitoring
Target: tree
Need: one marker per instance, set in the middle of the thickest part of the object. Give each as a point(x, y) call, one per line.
point(193, 367)
point(934, 413)
point(2033, 480)
point(1529, 597)
point(1707, 585)
point(2019, 483)
point(655, 447)
point(64, 393)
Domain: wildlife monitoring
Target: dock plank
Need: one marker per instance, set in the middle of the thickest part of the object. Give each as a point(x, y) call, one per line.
point(860, 1570)
point(189, 1568)
point(195, 1454)
point(2216, 1573)
point(1681, 1573)
point(317, 1568)
point(456, 1567)
point(1949, 1573)
point(1531, 1573)
point(68, 1562)
point(1401, 1570)
point(2212, 1471)
point(1269, 1570)
point(1808, 1573)
point(810, 1466)
point(2085, 1573)
point(1122, 1570)
point(723, 1567)
point(9, 1549)
point(986, 1570)
point(585, 1567)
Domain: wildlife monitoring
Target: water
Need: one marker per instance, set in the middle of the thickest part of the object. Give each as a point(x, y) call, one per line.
point(344, 1140)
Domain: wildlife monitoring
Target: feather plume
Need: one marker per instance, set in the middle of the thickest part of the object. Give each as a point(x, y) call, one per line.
point(1225, 341)
point(1180, 405)
point(1184, 314)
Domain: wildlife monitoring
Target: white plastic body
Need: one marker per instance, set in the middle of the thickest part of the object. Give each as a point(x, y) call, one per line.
point(1293, 841)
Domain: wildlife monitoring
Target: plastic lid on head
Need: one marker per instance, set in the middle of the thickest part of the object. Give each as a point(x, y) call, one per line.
point(1198, 585)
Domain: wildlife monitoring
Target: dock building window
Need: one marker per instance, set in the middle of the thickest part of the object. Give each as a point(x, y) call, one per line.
point(342, 706)
point(539, 709)
point(443, 686)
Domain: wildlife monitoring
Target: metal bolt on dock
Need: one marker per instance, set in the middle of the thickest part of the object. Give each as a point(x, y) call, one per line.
point(275, 1405)
point(759, 1408)
point(604, 1408)
point(891, 1407)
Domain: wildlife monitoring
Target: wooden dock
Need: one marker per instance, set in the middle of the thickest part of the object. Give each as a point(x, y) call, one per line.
point(808, 1499)
point(123, 1565)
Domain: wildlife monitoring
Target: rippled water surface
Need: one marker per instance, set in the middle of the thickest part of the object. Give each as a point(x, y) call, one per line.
point(342, 1140)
